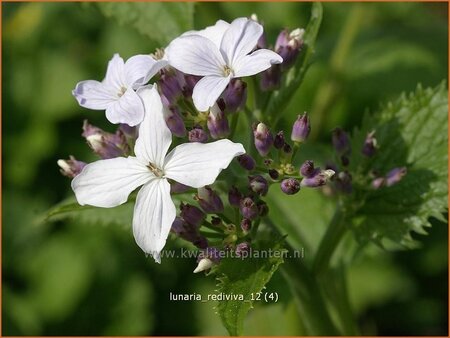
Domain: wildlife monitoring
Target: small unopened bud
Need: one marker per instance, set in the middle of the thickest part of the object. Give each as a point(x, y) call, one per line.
point(174, 121)
point(395, 175)
point(235, 95)
point(319, 179)
point(70, 167)
point(198, 134)
point(307, 169)
point(263, 208)
point(189, 83)
point(301, 128)
point(217, 123)
point(378, 182)
point(169, 86)
point(279, 140)
point(271, 78)
point(288, 46)
point(263, 139)
point(287, 149)
point(204, 264)
point(246, 224)
point(234, 196)
point(370, 145)
point(341, 141)
point(258, 185)
point(343, 182)
point(209, 201)
point(274, 174)
point(290, 186)
point(243, 250)
point(129, 132)
point(248, 208)
point(192, 215)
point(246, 161)
point(178, 188)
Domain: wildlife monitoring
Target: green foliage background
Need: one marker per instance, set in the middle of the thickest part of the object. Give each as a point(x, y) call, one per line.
point(78, 277)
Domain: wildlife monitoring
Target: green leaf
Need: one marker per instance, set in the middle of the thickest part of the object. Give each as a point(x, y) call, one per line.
point(292, 80)
point(245, 277)
point(160, 21)
point(411, 132)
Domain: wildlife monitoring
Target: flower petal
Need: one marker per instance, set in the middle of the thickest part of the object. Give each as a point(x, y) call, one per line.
point(154, 214)
point(127, 109)
point(139, 69)
point(199, 164)
point(256, 62)
point(107, 183)
point(115, 74)
point(196, 55)
point(207, 91)
point(240, 39)
point(214, 33)
point(93, 95)
point(154, 136)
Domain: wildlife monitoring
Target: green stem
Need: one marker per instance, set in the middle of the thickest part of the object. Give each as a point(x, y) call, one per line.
point(234, 122)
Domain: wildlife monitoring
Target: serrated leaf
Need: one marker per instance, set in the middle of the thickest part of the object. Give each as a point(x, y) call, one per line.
point(411, 132)
point(244, 277)
point(160, 21)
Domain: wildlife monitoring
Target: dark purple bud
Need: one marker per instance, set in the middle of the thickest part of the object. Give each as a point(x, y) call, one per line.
point(279, 140)
point(307, 169)
point(209, 201)
point(341, 141)
point(234, 196)
point(258, 185)
point(243, 250)
point(321, 177)
point(198, 134)
point(343, 182)
point(246, 225)
point(131, 133)
point(263, 139)
point(287, 149)
point(104, 144)
point(217, 123)
point(274, 174)
point(290, 186)
point(271, 78)
point(248, 208)
point(345, 160)
point(192, 215)
point(169, 86)
point(178, 188)
point(370, 145)
point(268, 162)
point(332, 166)
point(395, 176)
point(188, 232)
point(246, 161)
point(288, 46)
point(378, 183)
point(189, 83)
point(263, 208)
point(178, 226)
point(301, 128)
point(216, 221)
point(235, 95)
point(200, 242)
point(174, 121)
point(70, 167)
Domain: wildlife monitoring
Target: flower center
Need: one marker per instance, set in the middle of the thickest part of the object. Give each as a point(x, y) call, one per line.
point(155, 170)
point(227, 70)
point(122, 91)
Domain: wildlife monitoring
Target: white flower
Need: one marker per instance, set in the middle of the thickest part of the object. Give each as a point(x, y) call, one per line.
point(220, 53)
point(107, 183)
point(116, 92)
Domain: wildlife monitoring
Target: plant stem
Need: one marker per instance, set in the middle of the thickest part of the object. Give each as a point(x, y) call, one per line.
point(234, 122)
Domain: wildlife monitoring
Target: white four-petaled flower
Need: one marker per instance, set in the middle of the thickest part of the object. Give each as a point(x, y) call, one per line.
point(220, 53)
point(107, 183)
point(116, 93)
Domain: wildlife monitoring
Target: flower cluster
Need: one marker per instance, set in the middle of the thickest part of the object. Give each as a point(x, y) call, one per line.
point(198, 86)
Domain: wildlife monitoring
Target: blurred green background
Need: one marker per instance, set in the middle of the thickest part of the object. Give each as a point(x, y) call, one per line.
point(72, 278)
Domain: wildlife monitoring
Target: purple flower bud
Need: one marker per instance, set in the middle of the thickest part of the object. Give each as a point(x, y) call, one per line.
point(130, 133)
point(198, 135)
point(307, 169)
point(200, 242)
point(263, 208)
point(395, 175)
point(189, 83)
point(343, 182)
point(178, 226)
point(234, 196)
point(271, 78)
point(235, 95)
point(192, 215)
point(169, 86)
point(301, 128)
point(243, 250)
point(174, 121)
point(178, 188)
point(216, 220)
point(209, 201)
point(378, 183)
point(246, 225)
point(248, 208)
point(246, 161)
point(104, 144)
point(279, 140)
point(188, 232)
point(263, 139)
point(341, 141)
point(345, 160)
point(370, 145)
point(258, 185)
point(321, 177)
point(274, 174)
point(287, 149)
point(290, 186)
point(217, 123)
point(288, 46)
point(70, 167)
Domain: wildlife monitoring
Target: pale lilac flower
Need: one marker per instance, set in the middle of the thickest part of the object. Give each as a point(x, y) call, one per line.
point(219, 54)
point(107, 183)
point(116, 93)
